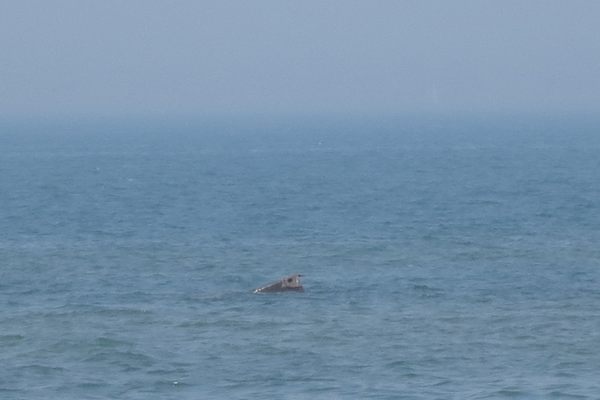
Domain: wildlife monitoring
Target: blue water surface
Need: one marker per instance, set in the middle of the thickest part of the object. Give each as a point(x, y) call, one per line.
point(444, 258)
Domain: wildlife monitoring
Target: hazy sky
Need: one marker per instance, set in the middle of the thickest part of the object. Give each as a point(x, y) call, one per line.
point(162, 58)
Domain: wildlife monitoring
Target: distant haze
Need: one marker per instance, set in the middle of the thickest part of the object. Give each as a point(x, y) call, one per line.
point(192, 58)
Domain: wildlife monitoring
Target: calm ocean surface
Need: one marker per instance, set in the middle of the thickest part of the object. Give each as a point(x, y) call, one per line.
point(443, 259)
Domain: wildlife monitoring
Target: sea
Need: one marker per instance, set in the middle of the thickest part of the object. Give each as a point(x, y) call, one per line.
point(443, 257)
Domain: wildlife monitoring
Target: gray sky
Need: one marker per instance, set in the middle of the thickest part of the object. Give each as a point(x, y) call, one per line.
point(194, 58)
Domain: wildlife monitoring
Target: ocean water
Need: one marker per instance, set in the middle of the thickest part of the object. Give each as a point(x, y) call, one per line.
point(442, 259)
